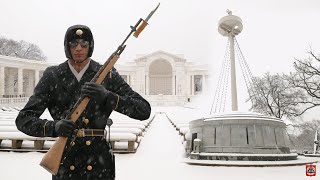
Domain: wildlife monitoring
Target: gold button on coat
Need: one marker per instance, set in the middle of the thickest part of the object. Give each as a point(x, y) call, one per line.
point(89, 168)
point(72, 143)
point(72, 168)
point(86, 121)
point(88, 143)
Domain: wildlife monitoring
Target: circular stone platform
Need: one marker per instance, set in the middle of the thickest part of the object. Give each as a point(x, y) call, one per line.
point(239, 133)
point(299, 161)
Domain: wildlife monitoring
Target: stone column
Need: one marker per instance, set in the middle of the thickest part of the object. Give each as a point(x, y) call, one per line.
point(31, 84)
point(189, 89)
point(204, 84)
point(2, 81)
point(20, 81)
point(147, 83)
point(173, 84)
point(36, 76)
point(10, 82)
point(192, 84)
point(129, 80)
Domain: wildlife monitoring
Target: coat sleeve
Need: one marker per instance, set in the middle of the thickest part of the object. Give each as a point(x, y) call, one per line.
point(126, 101)
point(28, 120)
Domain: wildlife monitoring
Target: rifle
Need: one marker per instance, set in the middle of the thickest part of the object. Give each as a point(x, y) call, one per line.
point(51, 160)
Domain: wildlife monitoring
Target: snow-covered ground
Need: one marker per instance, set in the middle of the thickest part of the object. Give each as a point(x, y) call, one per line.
point(159, 156)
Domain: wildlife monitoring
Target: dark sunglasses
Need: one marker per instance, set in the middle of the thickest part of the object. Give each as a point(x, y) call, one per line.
point(83, 44)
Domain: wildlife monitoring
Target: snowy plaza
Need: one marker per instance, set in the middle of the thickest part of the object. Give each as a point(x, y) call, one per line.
point(160, 155)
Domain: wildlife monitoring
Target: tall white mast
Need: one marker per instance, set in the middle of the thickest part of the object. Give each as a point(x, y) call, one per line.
point(231, 26)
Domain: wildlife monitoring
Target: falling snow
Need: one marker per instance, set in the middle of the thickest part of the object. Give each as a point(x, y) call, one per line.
point(160, 155)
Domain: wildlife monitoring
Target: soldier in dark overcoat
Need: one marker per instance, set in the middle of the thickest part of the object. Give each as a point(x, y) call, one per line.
point(89, 157)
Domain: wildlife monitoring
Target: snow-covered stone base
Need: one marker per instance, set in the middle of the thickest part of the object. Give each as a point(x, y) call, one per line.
point(299, 161)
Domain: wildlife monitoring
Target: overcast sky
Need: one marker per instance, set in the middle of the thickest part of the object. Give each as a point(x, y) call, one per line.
point(274, 33)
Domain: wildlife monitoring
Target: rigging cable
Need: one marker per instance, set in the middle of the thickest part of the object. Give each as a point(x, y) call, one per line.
point(218, 88)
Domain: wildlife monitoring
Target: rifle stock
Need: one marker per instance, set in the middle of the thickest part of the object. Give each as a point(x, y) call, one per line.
point(51, 160)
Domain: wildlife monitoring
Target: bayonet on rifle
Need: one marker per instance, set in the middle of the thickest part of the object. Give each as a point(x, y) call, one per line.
point(144, 23)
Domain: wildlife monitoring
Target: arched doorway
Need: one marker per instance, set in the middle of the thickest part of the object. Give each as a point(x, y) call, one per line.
point(160, 77)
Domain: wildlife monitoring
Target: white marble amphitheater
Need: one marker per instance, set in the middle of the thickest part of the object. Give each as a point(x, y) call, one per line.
point(161, 77)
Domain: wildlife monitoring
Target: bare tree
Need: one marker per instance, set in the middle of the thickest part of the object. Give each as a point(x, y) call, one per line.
point(291, 96)
point(303, 135)
point(274, 96)
point(307, 79)
point(21, 49)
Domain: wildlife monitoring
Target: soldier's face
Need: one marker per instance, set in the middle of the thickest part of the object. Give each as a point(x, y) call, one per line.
point(79, 49)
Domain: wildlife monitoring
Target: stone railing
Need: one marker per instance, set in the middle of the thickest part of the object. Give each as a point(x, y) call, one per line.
point(14, 100)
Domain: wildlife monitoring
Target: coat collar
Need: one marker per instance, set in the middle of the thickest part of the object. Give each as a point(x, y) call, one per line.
point(63, 68)
point(69, 81)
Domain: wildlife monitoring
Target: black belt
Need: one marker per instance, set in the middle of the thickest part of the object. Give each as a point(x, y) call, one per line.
point(90, 132)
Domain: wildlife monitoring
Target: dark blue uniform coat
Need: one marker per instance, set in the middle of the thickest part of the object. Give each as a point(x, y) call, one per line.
point(58, 90)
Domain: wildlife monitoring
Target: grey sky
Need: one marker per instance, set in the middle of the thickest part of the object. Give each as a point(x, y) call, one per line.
point(274, 31)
